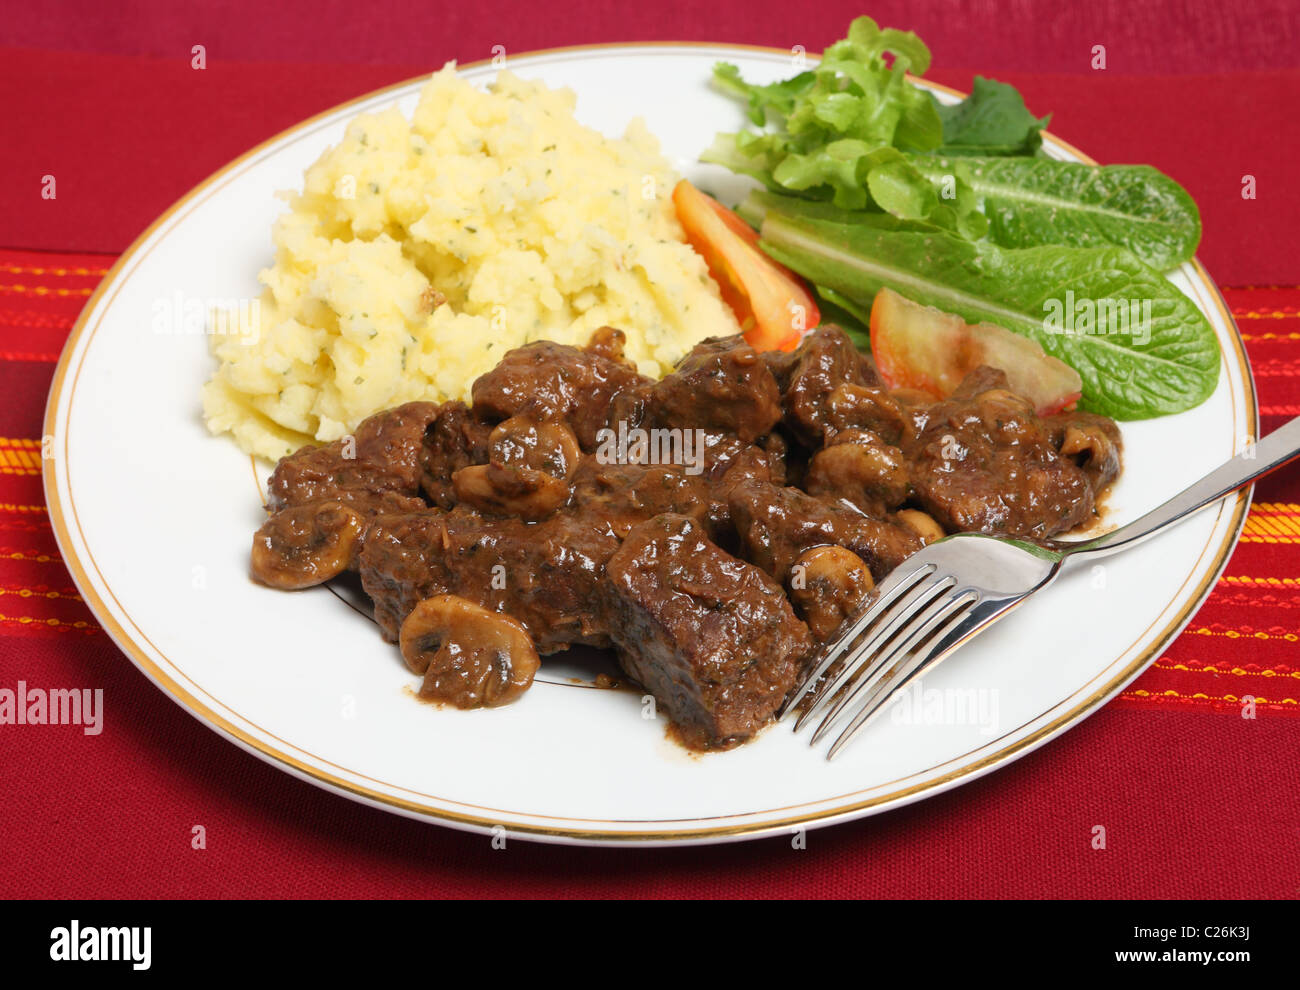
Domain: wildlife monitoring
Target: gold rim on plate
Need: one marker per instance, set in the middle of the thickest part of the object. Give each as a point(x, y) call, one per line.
point(130, 645)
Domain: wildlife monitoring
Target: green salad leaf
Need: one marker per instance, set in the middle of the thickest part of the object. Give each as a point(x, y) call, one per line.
point(836, 123)
point(1030, 201)
point(993, 120)
point(779, 97)
point(847, 315)
point(1141, 347)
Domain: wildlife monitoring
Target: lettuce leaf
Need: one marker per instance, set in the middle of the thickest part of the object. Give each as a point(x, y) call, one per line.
point(1140, 345)
point(1031, 201)
point(993, 120)
point(833, 125)
point(778, 97)
point(840, 133)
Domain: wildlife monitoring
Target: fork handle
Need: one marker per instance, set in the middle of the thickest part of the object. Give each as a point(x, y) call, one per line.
point(1256, 460)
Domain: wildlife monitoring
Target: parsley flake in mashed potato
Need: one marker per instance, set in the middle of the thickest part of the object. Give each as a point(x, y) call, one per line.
point(419, 251)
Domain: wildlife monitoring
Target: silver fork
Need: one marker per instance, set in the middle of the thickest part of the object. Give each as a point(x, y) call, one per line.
point(957, 587)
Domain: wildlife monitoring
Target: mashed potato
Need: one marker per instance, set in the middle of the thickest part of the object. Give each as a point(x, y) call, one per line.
point(420, 251)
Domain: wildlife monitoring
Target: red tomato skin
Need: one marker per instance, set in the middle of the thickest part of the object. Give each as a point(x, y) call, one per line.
point(764, 295)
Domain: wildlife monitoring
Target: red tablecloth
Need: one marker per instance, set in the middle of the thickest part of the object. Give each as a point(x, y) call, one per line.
point(1197, 801)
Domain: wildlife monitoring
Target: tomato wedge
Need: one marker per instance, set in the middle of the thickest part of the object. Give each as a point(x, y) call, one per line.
point(771, 303)
point(925, 348)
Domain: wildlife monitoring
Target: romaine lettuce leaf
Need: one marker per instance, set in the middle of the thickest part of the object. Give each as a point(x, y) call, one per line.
point(1030, 201)
point(1140, 345)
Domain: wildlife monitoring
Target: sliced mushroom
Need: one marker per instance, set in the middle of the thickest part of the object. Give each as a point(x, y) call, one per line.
point(859, 466)
point(547, 446)
point(470, 657)
point(827, 585)
point(922, 524)
point(306, 545)
point(528, 473)
point(1094, 447)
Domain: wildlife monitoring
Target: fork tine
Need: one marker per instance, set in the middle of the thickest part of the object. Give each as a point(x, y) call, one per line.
point(889, 659)
point(894, 617)
point(890, 589)
point(866, 659)
point(901, 674)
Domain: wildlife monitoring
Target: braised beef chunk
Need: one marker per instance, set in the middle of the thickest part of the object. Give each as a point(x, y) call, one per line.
point(711, 637)
point(728, 460)
point(986, 463)
point(323, 499)
point(776, 525)
point(624, 494)
point(382, 456)
point(545, 380)
point(455, 439)
point(543, 574)
point(722, 384)
point(824, 358)
point(827, 386)
point(779, 457)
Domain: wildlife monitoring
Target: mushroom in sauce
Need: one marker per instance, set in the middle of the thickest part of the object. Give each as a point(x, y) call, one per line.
point(827, 585)
point(306, 545)
point(859, 466)
point(470, 657)
point(529, 471)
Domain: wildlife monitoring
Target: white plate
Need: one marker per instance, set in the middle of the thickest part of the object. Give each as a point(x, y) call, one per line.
point(154, 519)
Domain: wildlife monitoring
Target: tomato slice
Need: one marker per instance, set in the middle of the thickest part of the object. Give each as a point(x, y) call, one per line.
point(925, 348)
point(771, 303)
